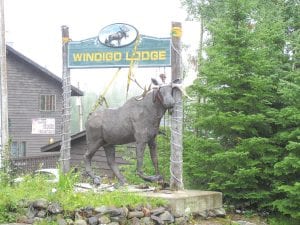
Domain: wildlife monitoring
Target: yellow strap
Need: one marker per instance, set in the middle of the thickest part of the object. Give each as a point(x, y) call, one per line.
point(101, 98)
point(132, 64)
point(111, 81)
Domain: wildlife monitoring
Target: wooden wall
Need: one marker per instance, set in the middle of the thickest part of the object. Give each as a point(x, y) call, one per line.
point(25, 85)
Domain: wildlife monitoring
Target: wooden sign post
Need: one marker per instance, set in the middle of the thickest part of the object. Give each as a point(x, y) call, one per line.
point(66, 120)
point(4, 148)
point(176, 182)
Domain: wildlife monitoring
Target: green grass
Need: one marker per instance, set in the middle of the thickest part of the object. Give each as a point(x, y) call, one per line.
point(33, 188)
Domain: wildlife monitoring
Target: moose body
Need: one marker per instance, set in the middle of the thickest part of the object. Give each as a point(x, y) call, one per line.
point(117, 36)
point(136, 121)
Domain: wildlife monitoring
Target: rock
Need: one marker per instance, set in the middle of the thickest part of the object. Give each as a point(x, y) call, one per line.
point(148, 206)
point(211, 213)
point(167, 216)
point(55, 208)
point(61, 221)
point(42, 214)
point(139, 207)
point(112, 211)
point(181, 220)
point(30, 221)
point(134, 221)
point(78, 216)
point(80, 222)
point(87, 211)
point(70, 221)
point(115, 212)
point(119, 219)
point(146, 221)
point(113, 223)
point(158, 211)
point(146, 212)
point(104, 220)
point(157, 219)
point(238, 211)
point(220, 212)
point(38, 220)
point(22, 219)
point(137, 214)
point(40, 204)
point(32, 212)
point(124, 211)
point(93, 220)
point(101, 209)
point(203, 214)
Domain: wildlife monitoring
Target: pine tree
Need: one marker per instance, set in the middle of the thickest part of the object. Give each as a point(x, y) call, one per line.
point(250, 119)
point(287, 169)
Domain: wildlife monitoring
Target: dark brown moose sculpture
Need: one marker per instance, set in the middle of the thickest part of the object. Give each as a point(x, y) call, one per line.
point(137, 121)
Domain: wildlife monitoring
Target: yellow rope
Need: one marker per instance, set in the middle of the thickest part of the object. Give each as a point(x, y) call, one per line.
point(132, 64)
point(101, 98)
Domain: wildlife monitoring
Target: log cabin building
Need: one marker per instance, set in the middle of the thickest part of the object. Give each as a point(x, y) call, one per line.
point(34, 105)
point(35, 116)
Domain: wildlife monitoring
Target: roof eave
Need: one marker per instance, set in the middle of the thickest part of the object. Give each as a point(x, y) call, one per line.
point(74, 91)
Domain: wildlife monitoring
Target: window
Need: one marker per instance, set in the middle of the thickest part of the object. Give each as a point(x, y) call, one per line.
point(47, 102)
point(18, 149)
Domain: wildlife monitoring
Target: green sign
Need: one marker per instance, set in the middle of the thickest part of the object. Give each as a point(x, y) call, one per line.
point(145, 51)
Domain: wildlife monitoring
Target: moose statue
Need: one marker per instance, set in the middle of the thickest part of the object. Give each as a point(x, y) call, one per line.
point(137, 121)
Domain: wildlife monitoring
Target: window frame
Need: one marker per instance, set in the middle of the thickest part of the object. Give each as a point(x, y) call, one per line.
point(20, 149)
point(47, 103)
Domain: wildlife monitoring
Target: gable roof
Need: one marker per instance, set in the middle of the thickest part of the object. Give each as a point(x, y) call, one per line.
point(74, 91)
point(55, 146)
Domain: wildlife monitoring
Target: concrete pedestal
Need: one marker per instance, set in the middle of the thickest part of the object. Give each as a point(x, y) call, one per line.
point(189, 201)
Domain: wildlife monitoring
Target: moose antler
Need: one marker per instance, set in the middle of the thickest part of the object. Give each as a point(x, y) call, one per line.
point(146, 90)
point(180, 87)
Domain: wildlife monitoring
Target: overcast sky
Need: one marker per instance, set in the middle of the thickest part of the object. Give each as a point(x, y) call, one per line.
point(33, 27)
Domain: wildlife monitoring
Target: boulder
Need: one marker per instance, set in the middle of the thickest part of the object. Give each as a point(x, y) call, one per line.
point(40, 204)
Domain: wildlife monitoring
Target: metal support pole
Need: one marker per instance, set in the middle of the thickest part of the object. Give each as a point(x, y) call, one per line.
point(4, 96)
point(176, 182)
point(66, 112)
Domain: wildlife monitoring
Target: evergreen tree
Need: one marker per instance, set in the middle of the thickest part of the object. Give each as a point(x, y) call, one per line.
point(287, 169)
point(248, 146)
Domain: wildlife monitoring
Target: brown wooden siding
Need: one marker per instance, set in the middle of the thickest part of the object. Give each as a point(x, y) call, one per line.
point(25, 85)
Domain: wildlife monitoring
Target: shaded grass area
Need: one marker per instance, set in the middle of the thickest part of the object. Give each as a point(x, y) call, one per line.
point(33, 188)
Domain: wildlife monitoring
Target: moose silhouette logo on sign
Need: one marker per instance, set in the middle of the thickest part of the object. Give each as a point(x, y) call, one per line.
point(118, 35)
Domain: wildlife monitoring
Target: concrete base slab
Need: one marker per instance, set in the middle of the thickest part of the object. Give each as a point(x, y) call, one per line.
point(187, 202)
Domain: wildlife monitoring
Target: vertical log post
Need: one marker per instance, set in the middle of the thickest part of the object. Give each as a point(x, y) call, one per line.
point(176, 182)
point(66, 112)
point(4, 150)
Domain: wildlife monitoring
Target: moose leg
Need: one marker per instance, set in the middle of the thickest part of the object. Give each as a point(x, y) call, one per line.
point(140, 148)
point(110, 156)
point(153, 154)
point(91, 150)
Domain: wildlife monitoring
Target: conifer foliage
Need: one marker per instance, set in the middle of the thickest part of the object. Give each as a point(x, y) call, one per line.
point(246, 122)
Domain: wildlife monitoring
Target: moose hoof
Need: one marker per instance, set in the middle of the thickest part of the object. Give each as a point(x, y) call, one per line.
point(158, 178)
point(97, 181)
point(155, 178)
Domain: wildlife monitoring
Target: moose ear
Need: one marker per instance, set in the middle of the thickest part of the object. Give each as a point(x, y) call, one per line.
point(154, 81)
